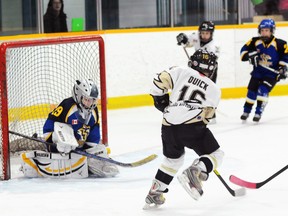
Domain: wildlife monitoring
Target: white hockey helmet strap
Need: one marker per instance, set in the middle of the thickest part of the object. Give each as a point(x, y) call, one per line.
point(85, 89)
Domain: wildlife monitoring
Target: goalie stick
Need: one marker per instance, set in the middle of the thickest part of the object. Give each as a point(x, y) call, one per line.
point(238, 192)
point(77, 151)
point(255, 185)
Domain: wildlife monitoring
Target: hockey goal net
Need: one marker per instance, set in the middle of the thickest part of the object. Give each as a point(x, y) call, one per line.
point(36, 75)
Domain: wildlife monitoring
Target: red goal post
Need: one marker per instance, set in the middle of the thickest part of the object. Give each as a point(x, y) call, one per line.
point(38, 74)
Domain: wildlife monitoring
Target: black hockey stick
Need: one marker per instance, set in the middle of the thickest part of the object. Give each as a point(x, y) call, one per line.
point(255, 185)
point(184, 48)
point(235, 193)
point(77, 151)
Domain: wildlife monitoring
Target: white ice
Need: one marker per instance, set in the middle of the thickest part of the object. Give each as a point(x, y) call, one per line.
point(252, 151)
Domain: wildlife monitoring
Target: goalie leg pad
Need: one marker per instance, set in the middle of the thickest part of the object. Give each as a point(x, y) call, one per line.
point(101, 168)
point(52, 165)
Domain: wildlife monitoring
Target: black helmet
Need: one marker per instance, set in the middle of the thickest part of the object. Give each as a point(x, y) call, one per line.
point(207, 26)
point(204, 62)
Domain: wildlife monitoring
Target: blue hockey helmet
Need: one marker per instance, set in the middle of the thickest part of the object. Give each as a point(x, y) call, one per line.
point(267, 23)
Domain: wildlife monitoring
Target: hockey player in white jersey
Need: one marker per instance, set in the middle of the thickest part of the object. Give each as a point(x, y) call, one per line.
point(186, 111)
point(203, 39)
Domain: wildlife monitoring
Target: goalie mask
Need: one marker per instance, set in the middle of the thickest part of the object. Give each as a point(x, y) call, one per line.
point(85, 93)
point(203, 62)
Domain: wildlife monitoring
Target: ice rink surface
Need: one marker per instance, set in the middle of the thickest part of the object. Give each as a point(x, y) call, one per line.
point(252, 152)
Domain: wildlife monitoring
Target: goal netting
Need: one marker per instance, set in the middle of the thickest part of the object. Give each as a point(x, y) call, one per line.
point(36, 75)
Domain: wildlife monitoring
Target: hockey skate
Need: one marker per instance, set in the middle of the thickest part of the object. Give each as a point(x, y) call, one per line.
point(244, 116)
point(257, 118)
point(191, 179)
point(155, 197)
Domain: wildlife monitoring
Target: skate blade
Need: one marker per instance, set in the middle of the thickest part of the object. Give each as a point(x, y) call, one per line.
point(150, 206)
point(256, 122)
point(244, 121)
point(193, 192)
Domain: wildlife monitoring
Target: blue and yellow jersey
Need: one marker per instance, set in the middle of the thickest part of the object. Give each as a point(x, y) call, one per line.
point(272, 54)
point(68, 112)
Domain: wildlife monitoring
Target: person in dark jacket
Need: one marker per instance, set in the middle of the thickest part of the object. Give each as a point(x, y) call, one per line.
point(55, 18)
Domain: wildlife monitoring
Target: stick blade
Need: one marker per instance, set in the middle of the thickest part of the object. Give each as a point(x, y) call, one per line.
point(235, 193)
point(144, 161)
point(242, 183)
point(240, 192)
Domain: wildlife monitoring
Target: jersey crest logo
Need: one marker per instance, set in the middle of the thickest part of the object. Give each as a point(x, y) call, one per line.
point(83, 133)
point(265, 60)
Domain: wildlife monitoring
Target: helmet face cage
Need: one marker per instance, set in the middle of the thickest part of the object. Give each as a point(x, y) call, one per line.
point(85, 94)
point(203, 62)
point(267, 23)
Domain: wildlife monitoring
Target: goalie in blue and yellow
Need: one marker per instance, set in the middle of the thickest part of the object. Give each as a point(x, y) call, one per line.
point(74, 123)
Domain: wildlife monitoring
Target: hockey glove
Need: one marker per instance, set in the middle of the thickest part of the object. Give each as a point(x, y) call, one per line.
point(161, 102)
point(63, 137)
point(253, 58)
point(283, 72)
point(182, 39)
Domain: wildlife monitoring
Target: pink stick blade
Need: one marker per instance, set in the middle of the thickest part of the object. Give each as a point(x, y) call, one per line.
point(242, 182)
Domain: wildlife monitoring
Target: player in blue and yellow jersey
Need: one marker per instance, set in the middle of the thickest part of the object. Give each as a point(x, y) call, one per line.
point(74, 123)
point(269, 57)
point(79, 111)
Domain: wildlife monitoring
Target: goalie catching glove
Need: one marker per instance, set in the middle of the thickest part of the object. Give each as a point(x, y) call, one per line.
point(63, 137)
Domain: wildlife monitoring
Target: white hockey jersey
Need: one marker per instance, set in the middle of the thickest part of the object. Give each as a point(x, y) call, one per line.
point(194, 41)
point(193, 98)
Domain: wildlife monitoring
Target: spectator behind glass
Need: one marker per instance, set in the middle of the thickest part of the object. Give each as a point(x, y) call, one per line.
point(266, 7)
point(55, 18)
point(283, 8)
